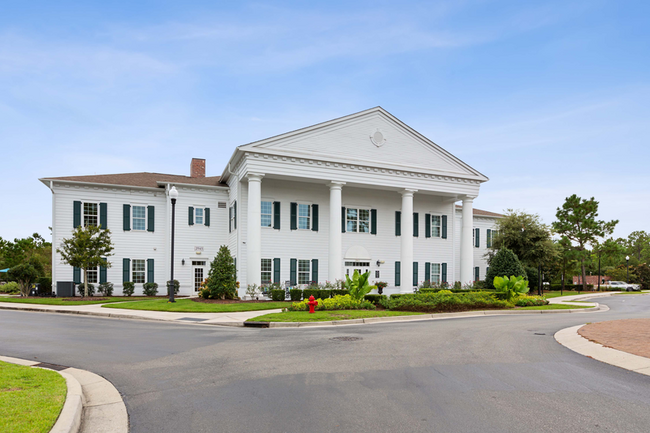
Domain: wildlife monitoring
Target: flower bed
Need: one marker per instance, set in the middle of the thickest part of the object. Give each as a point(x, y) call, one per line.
point(338, 302)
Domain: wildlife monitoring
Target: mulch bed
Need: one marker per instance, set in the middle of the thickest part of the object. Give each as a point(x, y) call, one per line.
point(227, 301)
point(628, 335)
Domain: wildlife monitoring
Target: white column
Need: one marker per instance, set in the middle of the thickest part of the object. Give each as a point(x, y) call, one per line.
point(466, 247)
point(254, 230)
point(406, 256)
point(335, 263)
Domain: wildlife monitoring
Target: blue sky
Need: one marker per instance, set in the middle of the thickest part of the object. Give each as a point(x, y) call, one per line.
point(545, 98)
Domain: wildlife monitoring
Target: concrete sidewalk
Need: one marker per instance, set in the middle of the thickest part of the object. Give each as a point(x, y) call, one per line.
point(223, 319)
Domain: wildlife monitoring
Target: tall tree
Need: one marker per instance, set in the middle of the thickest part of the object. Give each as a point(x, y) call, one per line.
point(526, 236)
point(87, 248)
point(577, 223)
point(638, 245)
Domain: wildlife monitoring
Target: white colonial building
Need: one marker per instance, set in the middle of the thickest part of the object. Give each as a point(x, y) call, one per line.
point(364, 191)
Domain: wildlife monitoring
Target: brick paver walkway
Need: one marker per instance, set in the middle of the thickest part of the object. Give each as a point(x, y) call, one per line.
point(631, 335)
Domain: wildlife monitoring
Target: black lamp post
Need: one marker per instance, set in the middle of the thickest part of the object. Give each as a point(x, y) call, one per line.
point(173, 194)
point(599, 251)
point(627, 269)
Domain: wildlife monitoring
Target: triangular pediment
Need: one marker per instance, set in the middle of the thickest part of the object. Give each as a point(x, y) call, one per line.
point(373, 137)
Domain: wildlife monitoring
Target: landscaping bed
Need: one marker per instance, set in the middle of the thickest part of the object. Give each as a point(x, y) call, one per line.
point(191, 306)
point(76, 300)
point(230, 301)
point(327, 316)
point(30, 398)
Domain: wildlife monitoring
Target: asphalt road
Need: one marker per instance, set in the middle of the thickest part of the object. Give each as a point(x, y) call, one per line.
point(487, 374)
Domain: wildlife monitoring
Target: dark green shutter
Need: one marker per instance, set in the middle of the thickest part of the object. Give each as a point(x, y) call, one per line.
point(126, 270)
point(444, 226)
point(150, 268)
point(103, 215)
point(427, 225)
point(488, 238)
point(102, 272)
point(416, 224)
point(342, 219)
point(234, 263)
point(76, 275)
point(151, 219)
point(276, 270)
point(415, 273)
point(126, 217)
point(397, 273)
point(398, 223)
point(443, 277)
point(478, 238)
point(235, 212)
point(373, 221)
point(427, 271)
point(206, 217)
point(76, 214)
point(294, 216)
point(230, 219)
point(314, 217)
point(314, 271)
point(276, 215)
point(476, 273)
point(190, 215)
point(293, 265)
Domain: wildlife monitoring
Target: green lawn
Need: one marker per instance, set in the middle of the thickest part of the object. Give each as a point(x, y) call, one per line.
point(59, 301)
point(555, 307)
point(328, 316)
point(189, 306)
point(30, 398)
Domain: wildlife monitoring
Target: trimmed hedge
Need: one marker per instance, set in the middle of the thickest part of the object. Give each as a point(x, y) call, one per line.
point(278, 295)
point(128, 287)
point(445, 302)
point(436, 290)
point(375, 299)
point(310, 292)
point(335, 303)
point(324, 293)
point(150, 289)
point(530, 301)
point(340, 292)
point(295, 294)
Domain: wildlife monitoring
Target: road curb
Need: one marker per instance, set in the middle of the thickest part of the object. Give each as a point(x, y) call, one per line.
point(421, 317)
point(571, 339)
point(92, 404)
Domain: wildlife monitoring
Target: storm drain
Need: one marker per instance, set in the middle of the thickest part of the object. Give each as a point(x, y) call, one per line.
point(51, 366)
point(346, 338)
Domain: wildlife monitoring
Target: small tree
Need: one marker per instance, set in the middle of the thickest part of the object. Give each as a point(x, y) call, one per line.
point(221, 282)
point(504, 263)
point(26, 274)
point(577, 224)
point(86, 249)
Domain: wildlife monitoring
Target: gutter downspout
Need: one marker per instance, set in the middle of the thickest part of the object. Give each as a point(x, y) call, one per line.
point(54, 246)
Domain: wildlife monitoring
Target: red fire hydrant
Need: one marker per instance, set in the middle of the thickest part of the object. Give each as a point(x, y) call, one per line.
point(312, 304)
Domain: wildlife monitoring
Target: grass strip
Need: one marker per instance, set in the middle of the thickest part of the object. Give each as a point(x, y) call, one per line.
point(328, 316)
point(30, 398)
point(189, 306)
point(59, 301)
point(555, 307)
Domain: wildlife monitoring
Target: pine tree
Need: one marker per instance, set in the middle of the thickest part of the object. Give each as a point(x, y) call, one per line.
point(221, 282)
point(504, 264)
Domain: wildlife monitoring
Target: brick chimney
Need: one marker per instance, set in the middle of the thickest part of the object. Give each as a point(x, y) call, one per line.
point(197, 168)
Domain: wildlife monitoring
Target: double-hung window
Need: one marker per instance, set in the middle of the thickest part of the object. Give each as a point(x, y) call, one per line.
point(267, 213)
point(139, 218)
point(199, 213)
point(435, 273)
point(357, 220)
point(138, 270)
point(267, 271)
point(436, 226)
point(93, 275)
point(304, 216)
point(90, 214)
point(303, 272)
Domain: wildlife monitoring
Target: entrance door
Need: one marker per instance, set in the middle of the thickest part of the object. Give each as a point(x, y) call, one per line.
point(351, 266)
point(198, 273)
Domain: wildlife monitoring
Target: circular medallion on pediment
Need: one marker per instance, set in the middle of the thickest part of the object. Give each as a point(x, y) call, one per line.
point(378, 138)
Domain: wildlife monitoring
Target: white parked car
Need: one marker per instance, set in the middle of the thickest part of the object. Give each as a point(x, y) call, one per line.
point(624, 287)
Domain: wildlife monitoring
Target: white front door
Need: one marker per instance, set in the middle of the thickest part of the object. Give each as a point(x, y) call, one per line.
point(361, 266)
point(198, 273)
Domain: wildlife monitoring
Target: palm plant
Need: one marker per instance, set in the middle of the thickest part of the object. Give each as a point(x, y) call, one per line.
point(358, 285)
point(512, 286)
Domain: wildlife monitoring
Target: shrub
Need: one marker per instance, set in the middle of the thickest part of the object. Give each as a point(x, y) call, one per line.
point(324, 293)
point(310, 292)
point(204, 293)
point(44, 285)
point(278, 295)
point(530, 301)
point(81, 290)
point(336, 303)
point(253, 290)
point(375, 299)
point(504, 263)
point(11, 287)
point(128, 288)
point(221, 281)
point(177, 287)
point(150, 289)
point(512, 287)
point(432, 290)
point(458, 285)
point(106, 289)
point(295, 294)
point(340, 292)
point(445, 302)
